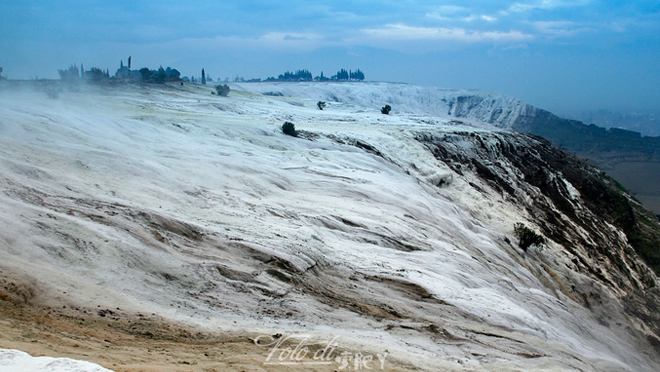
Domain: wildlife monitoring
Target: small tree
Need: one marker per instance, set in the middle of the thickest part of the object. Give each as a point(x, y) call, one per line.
point(223, 90)
point(386, 109)
point(96, 74)
point(72, 73)
point(203, 77)
point(526, 236)
point(159, 76)
point(289, 128)
point(145, 72)
point(320, 105)
point(172, 74)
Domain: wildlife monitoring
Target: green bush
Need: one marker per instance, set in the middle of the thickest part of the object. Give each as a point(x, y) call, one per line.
point(289, 128)
point(320, 105)
point(386, 109)
point(145, 73)
point(223, 90)
point(526, 236)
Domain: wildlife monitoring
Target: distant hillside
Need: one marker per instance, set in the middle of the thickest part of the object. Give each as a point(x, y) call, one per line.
point(645, 122)
point(605, 147)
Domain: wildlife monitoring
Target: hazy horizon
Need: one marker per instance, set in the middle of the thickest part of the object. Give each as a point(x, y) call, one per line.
point(559, 55)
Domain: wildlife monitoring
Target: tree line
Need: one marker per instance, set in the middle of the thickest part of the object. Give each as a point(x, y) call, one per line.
point(161, 75)
point(305, 75)
point(74, 72)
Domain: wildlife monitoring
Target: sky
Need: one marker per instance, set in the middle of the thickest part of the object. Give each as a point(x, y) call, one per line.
point(559, 55)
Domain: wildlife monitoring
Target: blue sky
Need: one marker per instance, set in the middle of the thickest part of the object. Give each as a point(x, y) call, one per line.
point(560, 55)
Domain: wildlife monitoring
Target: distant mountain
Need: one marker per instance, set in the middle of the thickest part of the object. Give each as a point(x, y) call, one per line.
point(605, 147)
point(645, 122)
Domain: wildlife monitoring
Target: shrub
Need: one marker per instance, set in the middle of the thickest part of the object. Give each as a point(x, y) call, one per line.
point(223, 90)
point(145, 73)
point(95, 74)
point(289, 128)
point(72, 73)
point(321, 105)
point(526, 236)
point(386, 109)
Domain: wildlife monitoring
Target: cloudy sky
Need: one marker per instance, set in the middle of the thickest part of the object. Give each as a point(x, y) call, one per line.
point(560, 55)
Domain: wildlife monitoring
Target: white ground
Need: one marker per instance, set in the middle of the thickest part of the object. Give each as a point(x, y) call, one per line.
point(18, 361)
point(100, 187)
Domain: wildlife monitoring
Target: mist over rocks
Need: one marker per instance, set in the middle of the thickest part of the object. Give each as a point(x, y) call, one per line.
point(393, 232)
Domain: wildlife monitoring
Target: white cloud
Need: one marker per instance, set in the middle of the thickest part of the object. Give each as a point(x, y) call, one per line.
point(402, 32)
point(457, 13)
point(291, 38)
point(290, 41)
point(547, 4)
point(273, 41)
point(618, 27)
point(449, 12)
point(559, 28)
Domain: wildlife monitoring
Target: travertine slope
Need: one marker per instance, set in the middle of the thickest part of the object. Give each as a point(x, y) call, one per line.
point(394, 233)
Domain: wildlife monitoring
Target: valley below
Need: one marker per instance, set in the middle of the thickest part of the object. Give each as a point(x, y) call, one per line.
point(642, 179)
